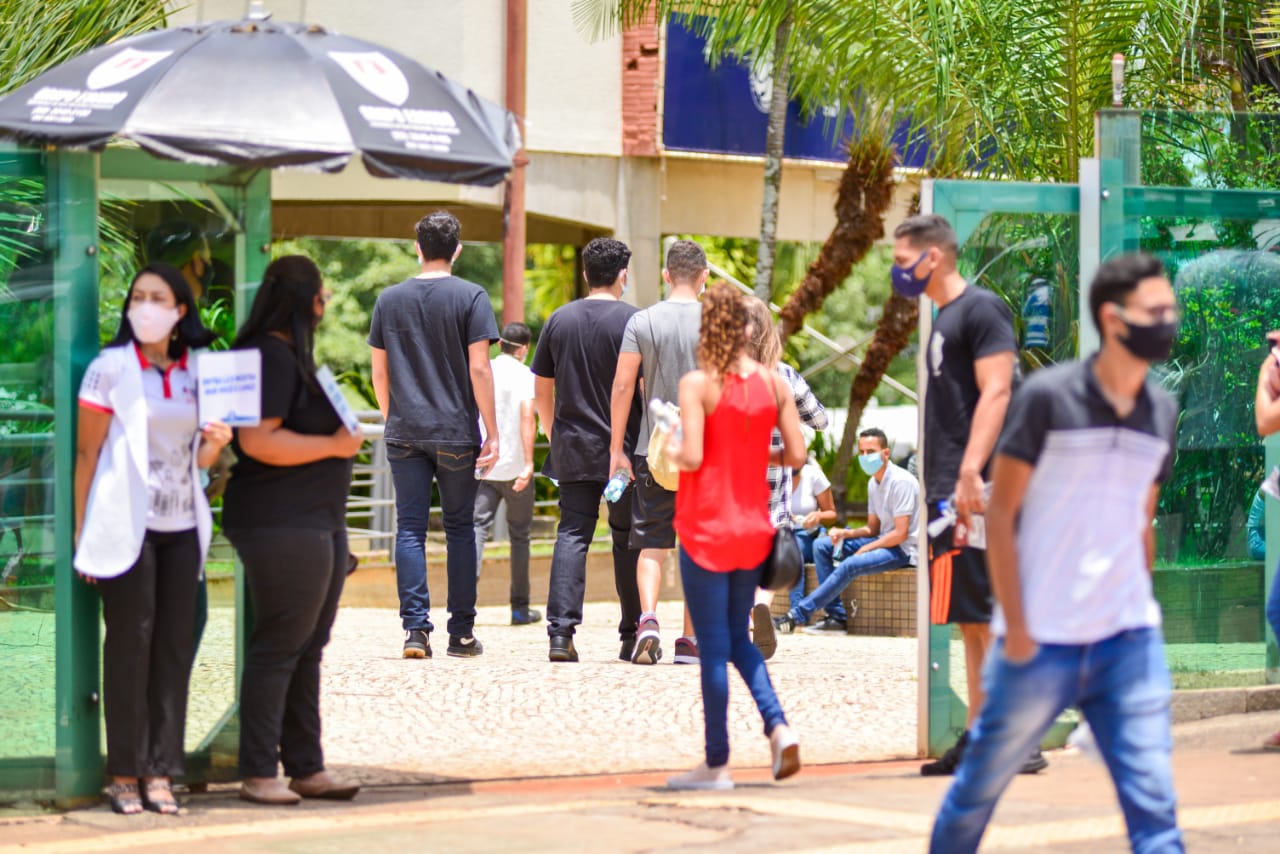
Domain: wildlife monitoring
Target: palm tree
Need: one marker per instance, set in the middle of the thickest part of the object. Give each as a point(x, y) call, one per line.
point(38, 34)
point(1001, 88)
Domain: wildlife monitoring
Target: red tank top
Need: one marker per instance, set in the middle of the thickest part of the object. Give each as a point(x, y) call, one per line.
point(722, 509)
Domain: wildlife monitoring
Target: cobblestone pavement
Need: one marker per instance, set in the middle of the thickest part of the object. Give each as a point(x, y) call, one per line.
point(511, 713)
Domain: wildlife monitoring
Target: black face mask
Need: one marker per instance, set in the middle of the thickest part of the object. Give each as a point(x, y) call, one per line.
point(1150, 342)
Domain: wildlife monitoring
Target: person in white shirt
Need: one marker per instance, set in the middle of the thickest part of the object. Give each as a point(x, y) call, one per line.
point(1078, 468)
point(510, 479)
point(812, 508)
point(887, 541)
point(142, 528)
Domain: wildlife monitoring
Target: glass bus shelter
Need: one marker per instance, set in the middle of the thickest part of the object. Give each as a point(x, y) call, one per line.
point(1202, 192)
point(73, 229)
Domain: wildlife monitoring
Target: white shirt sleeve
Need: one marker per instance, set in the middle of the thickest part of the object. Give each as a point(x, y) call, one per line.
point(99, 380)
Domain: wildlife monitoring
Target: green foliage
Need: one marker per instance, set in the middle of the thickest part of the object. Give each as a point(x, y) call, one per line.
point(355, 271)
point(1229, 300)
point(38, 34)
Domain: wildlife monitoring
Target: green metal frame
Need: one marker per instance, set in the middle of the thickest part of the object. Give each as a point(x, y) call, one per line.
point(966, 204)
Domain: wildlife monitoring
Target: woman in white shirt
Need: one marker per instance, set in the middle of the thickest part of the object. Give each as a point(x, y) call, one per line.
point(143, 526)
point(812, 508)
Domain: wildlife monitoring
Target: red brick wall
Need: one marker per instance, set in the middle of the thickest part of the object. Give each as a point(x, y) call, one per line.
point(640, 90)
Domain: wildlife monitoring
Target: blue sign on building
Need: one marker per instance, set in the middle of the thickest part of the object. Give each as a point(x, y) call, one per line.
point(725, 110)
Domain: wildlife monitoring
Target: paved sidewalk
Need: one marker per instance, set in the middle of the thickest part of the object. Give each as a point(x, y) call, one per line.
point(1229, 801)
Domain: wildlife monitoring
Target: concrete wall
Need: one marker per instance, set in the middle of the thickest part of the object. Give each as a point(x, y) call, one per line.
point(579, 183)
point(574, 85)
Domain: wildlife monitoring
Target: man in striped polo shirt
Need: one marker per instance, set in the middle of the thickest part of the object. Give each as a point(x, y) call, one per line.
point(1077, 472)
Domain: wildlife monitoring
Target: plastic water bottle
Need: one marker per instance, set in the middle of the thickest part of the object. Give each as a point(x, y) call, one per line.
point(666, 416)
point(947, 512)
point(616, 486)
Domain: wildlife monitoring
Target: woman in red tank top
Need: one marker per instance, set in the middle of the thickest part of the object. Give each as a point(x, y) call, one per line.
point(728, 408)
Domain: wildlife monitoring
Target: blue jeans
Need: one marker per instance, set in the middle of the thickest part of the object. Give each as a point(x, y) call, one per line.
point(804, 540)
point(833, 579)
point(413, 468)
point(1122, 686)
point(720, 605)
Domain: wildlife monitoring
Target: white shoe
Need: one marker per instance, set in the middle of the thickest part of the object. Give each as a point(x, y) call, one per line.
point(786, 752)
point(702, 778)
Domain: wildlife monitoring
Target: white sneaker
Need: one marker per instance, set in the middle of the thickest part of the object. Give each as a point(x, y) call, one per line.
point(702, 778)
point(786, 752)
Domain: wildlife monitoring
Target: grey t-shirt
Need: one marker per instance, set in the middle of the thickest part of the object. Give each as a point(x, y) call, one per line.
point(897, 495)
point(666, 337)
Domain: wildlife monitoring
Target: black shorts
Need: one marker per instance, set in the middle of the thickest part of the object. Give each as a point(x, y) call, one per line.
point(653, 510)
point(959, 584)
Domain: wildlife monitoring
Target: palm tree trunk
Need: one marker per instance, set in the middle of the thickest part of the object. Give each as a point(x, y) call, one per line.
point(866, 191)
point(892, 335)
point(774, 139)
point(863, 198)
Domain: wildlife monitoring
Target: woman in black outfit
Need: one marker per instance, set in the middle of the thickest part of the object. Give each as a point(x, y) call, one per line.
point(285, 513)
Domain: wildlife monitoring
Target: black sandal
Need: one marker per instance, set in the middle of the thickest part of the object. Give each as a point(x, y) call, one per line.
point(166, 805)
point(124, 798)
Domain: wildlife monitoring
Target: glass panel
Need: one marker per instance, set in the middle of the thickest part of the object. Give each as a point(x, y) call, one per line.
point(27, 678)
point(1031, 261)
point(189, 224)
point(1209, 571)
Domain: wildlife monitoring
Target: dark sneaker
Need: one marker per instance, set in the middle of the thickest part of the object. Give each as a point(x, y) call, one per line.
point(762, 633)
point(648, 642)
point(627, 649)
point(562, 649)
point(525, 616)
point(829, 625)
point(686, 651)
point(1035, 764)
point(464, 646)
point(417, 644)
point(949, 761)
point(784, 624)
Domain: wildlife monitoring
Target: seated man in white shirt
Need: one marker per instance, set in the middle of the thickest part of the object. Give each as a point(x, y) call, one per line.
point(887, 541)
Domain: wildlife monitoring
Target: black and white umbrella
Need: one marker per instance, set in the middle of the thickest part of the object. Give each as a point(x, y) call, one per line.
point(259, 93)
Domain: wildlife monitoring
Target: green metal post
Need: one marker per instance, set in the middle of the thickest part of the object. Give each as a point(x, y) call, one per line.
point(73, 200)
point(253, 253)
point(1271, 446)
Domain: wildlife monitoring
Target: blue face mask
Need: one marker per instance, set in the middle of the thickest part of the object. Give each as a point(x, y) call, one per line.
point(905, 281)
point(871, 463)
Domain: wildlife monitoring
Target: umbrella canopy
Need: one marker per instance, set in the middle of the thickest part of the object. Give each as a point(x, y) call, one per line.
point(255, 92)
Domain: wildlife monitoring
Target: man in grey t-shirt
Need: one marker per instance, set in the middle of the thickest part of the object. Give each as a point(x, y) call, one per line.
point(659, 346)
point(887, 541)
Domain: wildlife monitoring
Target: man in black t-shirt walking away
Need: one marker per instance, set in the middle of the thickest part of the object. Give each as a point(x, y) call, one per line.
point(573, 377)
point(971, 356)
point(430, 339)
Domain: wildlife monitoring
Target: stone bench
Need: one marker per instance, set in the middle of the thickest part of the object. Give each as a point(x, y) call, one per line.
point(886, 602)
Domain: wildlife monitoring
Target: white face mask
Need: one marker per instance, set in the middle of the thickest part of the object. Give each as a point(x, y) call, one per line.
point(152, 323)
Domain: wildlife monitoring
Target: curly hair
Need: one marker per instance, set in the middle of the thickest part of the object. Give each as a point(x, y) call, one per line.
point(724, 328)
point(763, 345)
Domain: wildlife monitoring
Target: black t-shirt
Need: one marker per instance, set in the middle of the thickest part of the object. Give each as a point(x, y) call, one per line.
point(579, 350)
point(311, 495)
point(974, 325)
point(426, 326)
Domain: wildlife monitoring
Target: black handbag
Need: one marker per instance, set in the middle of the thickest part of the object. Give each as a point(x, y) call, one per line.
point(785, 564)
point(782, 569)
